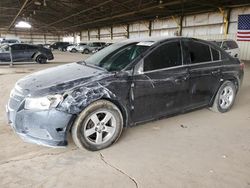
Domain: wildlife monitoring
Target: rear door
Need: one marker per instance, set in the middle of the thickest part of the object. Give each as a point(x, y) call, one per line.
point(30, 51)
point(205, 72)
point(160, 85)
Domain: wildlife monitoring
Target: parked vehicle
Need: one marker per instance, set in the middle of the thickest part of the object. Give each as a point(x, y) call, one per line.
point(64, 48)
point(125, 84)
point(9, 41)
point(230, 46)
point(98, 49)
point(76, 48)
point(25, 52)
point(92, 46)
point(59, 45)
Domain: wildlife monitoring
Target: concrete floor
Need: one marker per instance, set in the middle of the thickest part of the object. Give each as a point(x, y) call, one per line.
point(197, 149)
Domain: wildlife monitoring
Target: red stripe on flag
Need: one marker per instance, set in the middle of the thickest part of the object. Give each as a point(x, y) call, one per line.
point(243, 36)
point(240, 32)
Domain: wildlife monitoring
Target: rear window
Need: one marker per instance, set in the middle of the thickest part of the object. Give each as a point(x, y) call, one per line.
point(198, 52)
point(231, 44)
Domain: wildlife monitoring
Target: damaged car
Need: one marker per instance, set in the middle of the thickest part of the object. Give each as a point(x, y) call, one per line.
point(125, 84)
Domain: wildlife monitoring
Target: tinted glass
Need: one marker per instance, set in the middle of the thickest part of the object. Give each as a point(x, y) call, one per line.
point(18, 47)
point(96, 44)
point(123, 57)
point(216, 54)
point(167, 55)
point(198, 52)
point(117, 56)
point(30, 47)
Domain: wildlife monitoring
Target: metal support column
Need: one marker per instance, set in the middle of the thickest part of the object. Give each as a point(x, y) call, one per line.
point(127, 31)
point(150, 28)
point(111, 32)
point(226, 18)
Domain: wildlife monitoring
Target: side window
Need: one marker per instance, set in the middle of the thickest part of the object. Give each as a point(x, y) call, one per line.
point(14, 47)
point(198, 52)
point(167, 55)
point(29, 47)
point(18, 47)
point(215, 54)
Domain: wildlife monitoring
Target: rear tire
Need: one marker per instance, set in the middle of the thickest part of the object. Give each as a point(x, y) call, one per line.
point(98, 126)
point(73, 50)
point(225, 97)
point(86, 51)
point(41, 59)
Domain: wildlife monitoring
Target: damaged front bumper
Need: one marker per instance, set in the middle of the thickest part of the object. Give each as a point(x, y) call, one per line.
point(46, 127)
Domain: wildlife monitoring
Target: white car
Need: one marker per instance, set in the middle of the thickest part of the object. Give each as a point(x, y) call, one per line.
point(230, 46)
point(76, 48)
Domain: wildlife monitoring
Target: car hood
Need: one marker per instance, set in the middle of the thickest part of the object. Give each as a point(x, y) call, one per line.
point(59, 79)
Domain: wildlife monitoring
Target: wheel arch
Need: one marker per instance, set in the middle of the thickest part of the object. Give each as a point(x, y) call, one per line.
point(120, 107)
point(233, 79)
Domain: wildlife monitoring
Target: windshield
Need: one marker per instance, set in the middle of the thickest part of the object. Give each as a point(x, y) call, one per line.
point(117, 56)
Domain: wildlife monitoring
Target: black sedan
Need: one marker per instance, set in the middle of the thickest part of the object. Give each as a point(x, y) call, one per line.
point(122, 85)
point(25, 52)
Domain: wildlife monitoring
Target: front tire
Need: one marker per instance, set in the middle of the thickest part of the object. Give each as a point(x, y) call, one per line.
point(98, 126)
point(225, 97)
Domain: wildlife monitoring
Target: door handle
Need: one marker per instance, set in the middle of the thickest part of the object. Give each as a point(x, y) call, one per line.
point(215, 72)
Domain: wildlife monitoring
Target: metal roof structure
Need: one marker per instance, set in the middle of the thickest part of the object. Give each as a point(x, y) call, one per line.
point(65, 16)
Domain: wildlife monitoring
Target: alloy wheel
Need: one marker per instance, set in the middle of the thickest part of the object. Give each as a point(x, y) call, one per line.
point(226, 97)
point(99, 127)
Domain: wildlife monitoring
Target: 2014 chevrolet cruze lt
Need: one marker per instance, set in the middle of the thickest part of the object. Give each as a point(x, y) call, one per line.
point(122, 85)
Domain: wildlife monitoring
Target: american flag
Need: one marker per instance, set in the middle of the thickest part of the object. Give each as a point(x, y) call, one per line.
point(243, 33)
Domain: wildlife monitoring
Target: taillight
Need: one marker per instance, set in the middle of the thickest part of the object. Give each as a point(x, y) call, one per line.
point(242, 66)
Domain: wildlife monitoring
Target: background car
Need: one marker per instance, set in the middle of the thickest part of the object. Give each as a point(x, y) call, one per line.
point(25, 52)
point(230, 46)
point(92, 46)
point(98, 49)
point(59, 45)
point(10, 41)
point(76, 47)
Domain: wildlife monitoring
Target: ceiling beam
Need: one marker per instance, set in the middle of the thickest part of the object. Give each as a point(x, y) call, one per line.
point(126, 14)
point(19, 12)
point(75, 14)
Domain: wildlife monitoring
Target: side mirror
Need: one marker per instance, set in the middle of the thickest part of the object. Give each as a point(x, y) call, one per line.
point(138, 68)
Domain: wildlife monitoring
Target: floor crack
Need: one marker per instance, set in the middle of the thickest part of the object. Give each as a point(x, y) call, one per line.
point(36, 156)
point(119, 170)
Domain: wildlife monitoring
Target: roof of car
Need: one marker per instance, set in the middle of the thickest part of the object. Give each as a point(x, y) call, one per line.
point(158, 39)
point(221, 40)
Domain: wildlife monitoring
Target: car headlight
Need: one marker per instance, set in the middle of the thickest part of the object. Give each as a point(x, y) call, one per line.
point(43, 103)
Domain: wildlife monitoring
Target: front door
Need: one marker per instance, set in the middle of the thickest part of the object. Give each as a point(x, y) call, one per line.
point(162, 85)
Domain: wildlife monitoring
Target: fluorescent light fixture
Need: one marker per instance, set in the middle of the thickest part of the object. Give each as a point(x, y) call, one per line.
point(23, 24)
